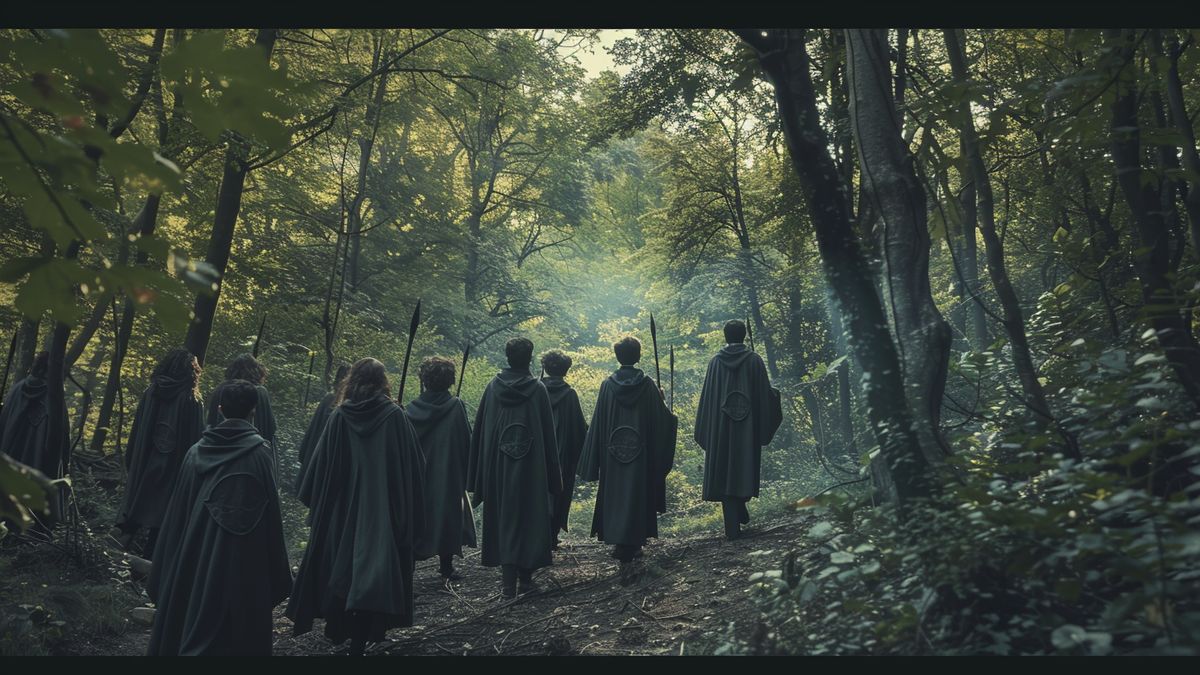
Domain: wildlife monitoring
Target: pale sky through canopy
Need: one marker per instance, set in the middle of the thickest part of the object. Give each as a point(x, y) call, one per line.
point(597, 60)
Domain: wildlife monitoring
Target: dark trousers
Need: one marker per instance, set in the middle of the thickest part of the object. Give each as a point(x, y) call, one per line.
point(360, 630)
point(625, 552)
point(736, 514)
point(447, 565)
point(510, 574)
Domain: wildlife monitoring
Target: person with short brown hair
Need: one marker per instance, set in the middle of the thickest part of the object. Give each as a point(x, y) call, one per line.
point(514, 471)
point(440, 420)
point(570, 428)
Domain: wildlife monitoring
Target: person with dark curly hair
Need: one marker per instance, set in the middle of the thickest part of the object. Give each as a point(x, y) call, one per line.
point(570, 428)
point(249, 369)
point(317, 425)
point(739, 413)
point(168, 421)
point(514, 471)
point(221, 564)
point(365, 488)
point(441, 423)
point(25, 425)
point(630, 449)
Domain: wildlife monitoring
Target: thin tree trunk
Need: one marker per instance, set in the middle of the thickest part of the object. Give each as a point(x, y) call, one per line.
point(58, 435)
point(1152, 259)
point(144, 226)
point(229, 203)
point(845, 404)
point(785, 60)
point(1006, 294)
point(1191, 159)
point(366, 143)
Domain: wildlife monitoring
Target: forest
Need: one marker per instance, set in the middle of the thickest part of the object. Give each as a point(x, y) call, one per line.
point(968, 258)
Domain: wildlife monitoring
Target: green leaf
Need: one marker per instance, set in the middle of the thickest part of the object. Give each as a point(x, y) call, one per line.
point(14, 269)
point(23, 492)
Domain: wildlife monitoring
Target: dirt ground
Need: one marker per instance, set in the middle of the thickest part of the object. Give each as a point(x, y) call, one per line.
point(686, 593)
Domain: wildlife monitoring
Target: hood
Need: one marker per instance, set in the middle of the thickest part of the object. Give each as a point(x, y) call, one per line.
point(226, 442)
point(514, 387)
point(430, 407)
point(364, 417)
point(557, 388)
point(733, 356)
point(630, 383)
point(166, 386)
point(33, 387)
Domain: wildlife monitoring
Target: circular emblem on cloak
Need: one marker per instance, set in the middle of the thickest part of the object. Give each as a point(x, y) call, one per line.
point(36, 414)
point(737, 406)
point(237, 503)
point(624, 444)
point(164, 437)
point(515, 440)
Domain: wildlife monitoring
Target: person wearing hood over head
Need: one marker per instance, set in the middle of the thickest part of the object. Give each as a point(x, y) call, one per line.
point(440, 420)
point(630, 449)
point(739, 413)
point(168, 421)
point(221, 565)
point(24, 424)
point(513, 471)
point(248, 368)
point(570, 428)
point(365, 489)
point(317, 425)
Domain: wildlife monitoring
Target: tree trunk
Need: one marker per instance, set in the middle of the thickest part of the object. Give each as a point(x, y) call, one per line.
point(229, 203)
point(845, 404)
point(58, 435)
point(1191, 159)
point(922, 335)
point(1152, 259)
point(143, 225)
point(785, 60)
point(366, 143)
point(1006, 294)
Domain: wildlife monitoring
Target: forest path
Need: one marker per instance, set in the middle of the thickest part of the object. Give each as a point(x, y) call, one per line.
point(686, 592)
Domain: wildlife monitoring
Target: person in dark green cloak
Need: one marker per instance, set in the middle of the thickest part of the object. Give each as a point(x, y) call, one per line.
point(365, 487)
point(168, 421)
point(570, 428)
point(221, 565)
point(739, 413)
point(440, 420)
point(514, 472)
point(317, 425)
point(630, 449)
point(24, 423)
point(248, 368)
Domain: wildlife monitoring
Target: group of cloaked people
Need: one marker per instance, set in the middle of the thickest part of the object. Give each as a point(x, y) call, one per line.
point(388, 485)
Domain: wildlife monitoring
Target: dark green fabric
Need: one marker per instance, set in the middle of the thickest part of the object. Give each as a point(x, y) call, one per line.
point(220, 564)
point(570, 428)
point(365, 489)
point(264, 418)
point(630, 449)
point(739, 413)
point(168, 421)
point(25, 427)
point(441, 424)
point(312, 436)
point(514, 470)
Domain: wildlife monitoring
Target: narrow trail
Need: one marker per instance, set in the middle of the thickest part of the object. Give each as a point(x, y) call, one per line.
point(686, 592)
